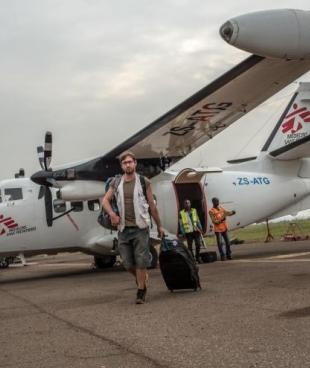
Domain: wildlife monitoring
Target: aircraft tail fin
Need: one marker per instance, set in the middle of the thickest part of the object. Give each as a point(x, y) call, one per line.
point(290, 138)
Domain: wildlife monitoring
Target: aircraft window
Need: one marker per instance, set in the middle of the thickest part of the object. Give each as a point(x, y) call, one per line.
point(59, 206)
point(94, 205)
point(77, 206)
point(13, 194)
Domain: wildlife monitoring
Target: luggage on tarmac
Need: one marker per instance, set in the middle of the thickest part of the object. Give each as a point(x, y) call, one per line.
point(208, 257)
point(178, 266)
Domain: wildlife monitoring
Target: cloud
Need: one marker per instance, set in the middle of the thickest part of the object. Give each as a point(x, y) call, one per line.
point(95, 71)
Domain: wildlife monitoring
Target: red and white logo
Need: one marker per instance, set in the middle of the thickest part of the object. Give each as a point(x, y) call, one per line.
point(293, 122)
point(6, 223)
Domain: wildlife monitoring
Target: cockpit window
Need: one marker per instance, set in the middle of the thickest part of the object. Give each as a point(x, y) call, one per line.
point(13, 194)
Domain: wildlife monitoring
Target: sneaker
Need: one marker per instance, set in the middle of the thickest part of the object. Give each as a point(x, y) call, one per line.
point(222, 258)
point(141, 296)
point(229, 257)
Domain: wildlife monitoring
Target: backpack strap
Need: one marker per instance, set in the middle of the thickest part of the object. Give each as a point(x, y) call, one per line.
point(143, 185)
point(118, 179)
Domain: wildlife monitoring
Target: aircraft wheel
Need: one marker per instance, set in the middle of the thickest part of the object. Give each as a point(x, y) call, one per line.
point(4, 263)
point(153, 257)
point(104, 261)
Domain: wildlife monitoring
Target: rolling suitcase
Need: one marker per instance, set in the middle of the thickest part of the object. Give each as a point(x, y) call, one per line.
point(177, 266)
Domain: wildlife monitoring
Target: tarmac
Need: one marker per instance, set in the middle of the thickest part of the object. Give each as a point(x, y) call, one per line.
point(253, 311)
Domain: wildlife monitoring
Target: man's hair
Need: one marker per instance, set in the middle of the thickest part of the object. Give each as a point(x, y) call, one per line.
point(214, 199)
point(125, 154)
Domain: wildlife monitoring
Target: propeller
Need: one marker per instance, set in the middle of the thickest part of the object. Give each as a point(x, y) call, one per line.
point(45, 179)
point(45, 158)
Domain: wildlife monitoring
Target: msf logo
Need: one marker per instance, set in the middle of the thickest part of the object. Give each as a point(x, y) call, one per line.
point(6, 223)
point(293, 122)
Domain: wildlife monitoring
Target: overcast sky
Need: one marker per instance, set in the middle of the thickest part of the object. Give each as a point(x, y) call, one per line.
point(94, 72)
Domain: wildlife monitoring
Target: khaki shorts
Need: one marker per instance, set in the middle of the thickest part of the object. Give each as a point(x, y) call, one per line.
point(133, 246)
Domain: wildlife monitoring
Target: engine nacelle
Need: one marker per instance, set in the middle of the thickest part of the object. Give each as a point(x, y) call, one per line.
point(283, 33)
point(82, 190)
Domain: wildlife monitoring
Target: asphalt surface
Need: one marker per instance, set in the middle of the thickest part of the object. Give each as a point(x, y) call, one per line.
point(253, 311)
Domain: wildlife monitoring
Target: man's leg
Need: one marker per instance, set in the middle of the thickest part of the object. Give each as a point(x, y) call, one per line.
point(142, 260)
point(141, 277)
point(220, 246)
point(125, 249)
point(197, 238)
point(227, 244)
point(189, 240)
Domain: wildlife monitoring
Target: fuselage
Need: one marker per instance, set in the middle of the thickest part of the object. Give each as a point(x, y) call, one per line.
point(254, 195)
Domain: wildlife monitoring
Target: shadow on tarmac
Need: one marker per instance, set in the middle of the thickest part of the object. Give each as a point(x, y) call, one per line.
point(22, 278)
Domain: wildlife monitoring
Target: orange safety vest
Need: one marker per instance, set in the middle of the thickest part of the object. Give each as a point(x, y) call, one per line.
point(219, 214)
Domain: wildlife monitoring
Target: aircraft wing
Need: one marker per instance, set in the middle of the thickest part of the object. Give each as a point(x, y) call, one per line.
point(212, 109)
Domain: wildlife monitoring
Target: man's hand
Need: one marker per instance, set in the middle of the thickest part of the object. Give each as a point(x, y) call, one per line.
point(161, 232)
point(114, 219)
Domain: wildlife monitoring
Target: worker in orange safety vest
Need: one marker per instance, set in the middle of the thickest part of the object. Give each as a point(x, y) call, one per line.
point(218, 216)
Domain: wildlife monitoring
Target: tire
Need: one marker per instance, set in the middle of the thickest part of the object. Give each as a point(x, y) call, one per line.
point(4, 262)
point(153, 257)
point(104, 261)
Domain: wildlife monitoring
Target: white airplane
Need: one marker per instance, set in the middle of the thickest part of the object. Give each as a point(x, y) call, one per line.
point(59, 214)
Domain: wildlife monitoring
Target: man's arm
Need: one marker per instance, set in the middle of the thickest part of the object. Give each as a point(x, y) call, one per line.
point(229, 213)
point(198, 222)
point(106, 204)
point(154, 210)
point(182, 231)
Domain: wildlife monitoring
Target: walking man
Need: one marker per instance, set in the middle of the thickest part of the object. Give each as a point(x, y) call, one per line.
point(191, 228)
point(134, 199)
point(218, 216)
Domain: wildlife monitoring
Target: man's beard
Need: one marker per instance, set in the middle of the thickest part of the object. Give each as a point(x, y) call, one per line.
point(129, 170)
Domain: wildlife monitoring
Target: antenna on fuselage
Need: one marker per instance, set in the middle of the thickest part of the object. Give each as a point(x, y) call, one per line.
point(20, 174)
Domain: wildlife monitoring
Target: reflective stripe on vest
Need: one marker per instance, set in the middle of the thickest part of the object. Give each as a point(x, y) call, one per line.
point(219, 214)
point(184, 219)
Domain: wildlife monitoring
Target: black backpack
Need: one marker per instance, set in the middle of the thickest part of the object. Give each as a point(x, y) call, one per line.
point(104, 218)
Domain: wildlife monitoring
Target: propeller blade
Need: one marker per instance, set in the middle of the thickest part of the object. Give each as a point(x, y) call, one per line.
point(48, 206)
point(40, 151)
point(48, 150)
point(41, 192)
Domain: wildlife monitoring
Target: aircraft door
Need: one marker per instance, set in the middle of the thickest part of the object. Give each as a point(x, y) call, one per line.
point(188, 186)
